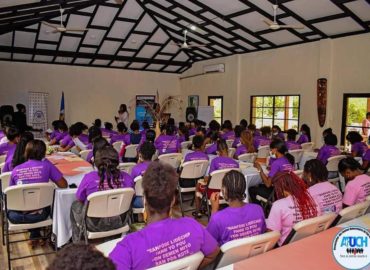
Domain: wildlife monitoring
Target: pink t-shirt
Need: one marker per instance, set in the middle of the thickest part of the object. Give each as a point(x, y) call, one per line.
point(327, 197)
point(356, 190)
point(283, 216)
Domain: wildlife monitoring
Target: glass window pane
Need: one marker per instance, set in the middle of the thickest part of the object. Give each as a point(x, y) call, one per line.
point(293, 113)
point(259, 112)
point(267, 122)
point(293, 124)
point(279, 113)
point(280, 101)
point(258, 122)
point(293, 101)
point(258, 101)
point(267, 112)
point(356, 111)
point(280, 123)
point(267, 101)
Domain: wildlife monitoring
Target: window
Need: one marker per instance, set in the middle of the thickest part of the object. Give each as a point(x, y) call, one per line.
point(217, 103)
point(275, 110)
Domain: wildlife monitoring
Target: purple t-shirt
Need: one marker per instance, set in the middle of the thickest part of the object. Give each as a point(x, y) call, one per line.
point(8, 159)
point(280, 165)
point(196, 155)
point(292, 145)
point(139, 169)
point(67, 141)
point(220, 163)
point(230, 135)
point(162, 242)
point(60, 136)
point(212, 149)
point(54, 134)
point(326, 152)
point(236, 142)
point(260, 141)
point(34, 171)
point(303, 139)
point(192, 131)
point(5, 147)
point(118, 138)
point(90, 184)
point(360, 148)
point(366, 156)
point(107, 132)
point(242, 149)
point(237, 222)
point(84, 139)
point(166, 144)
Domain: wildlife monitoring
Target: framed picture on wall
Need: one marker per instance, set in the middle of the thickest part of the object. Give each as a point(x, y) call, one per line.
point(193, 101)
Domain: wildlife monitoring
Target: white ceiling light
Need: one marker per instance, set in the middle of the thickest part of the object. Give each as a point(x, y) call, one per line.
point(193, 27)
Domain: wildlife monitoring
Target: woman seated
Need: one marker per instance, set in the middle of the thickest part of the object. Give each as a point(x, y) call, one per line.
point(366, 161)
point(98, 143)
point(36, 169)
point(222, 161)
point(358, 147)
point(240, 219)
point(107, 176)
point(357, 184)
point(18, 157)
point(280, 161)
point(246, 145)
point(167, 143)
point(122, 133)
point(305, 134)
point(198, 153)
point(183, 134)
point(58, 135)
point(277, 133)
point(212, 139)
point(293, 204)
point(227, 131)
point(264, 139)
point(164, 239)
point(291, 144)
point(135, 136)
point(327, 196)
point(237, 130)
point(67, 142)
point(8, 148)
point(108, 131)
point(329, 149)
point(94, 133)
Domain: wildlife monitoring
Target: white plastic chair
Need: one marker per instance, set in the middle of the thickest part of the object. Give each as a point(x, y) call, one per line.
point(117, 146)
point(297, 154)
point(108, 203)
point(229, 143)
point(191, 262)
point(155, 156)
point(186, 145)
point(131, 151)
point(191, 170)
point(173, 159)
point(107, 247)
point(2, 158)
point(27, 198)
point(5, 179)
point(126, 166)
point(241, 249)
point(191, 137)
point(352, 212)
point(84, 154)
point(231, 152)
point(308, 146)
point(310, 227)
point(139, 191)
point(248, 157)
point(263, 151)
point(332, 166)
point(2, 166)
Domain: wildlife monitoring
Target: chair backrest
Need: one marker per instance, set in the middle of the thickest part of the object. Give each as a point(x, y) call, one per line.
point(174, 159)
point(231, 152)
point(216, 178)
point(352, 212)
point(155, 156)
point(248, 157)
point(2, 166)
point(191, 137)
point(185, 145)
point(109, 203)
point(139, 191)
point(191, 262)
point(263, 151)
point(131, 151)
point(308, 146)
point(299, 173)
point(29, 197)
point(229, 143)
point(84, 154)
point(194, 169)
point(297, 154)
point(2, 158)
point(117, 146)
point(5, 179)
point(126, 166)
point(74, 150)
point(333, 162)
point(244, 248)
point(310, 227)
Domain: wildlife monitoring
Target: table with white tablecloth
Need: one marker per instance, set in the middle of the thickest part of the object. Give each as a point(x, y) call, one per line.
point(73, 169)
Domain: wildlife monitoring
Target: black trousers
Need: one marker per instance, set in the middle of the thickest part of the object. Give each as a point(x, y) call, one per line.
point(261, 190)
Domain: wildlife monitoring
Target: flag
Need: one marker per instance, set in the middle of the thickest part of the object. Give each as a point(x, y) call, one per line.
point(61, 114)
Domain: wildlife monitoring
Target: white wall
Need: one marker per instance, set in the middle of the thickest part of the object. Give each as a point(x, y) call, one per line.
point(89, 92)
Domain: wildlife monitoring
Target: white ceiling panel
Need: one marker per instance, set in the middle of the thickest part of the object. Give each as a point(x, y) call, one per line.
point(21, 56)
point(119, 64)
point(131, 10)
point(43, 58)
point(225, 7)
point(159, 37)
point(82, 61)
point(120, 29)
point(134, 41)
point(338, 26)
point(88, 50)
point(148, 51)
point(313, 9)
point(252, 21)
point(137, 65)
point(281, 37)
point(109, 47)
point(146, 24)
point(6, 39)
point(100, 62)
point(155, 67)
point(24, 39)
point(94, 36)
point(4, 55)
point(104, 16)
point(69, 43)
point(361, 8)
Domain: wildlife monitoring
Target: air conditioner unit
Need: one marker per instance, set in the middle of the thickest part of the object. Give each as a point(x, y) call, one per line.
point(219, 68)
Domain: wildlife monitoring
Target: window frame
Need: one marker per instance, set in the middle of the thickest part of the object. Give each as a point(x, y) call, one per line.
point(273, 109)
point(222, 106)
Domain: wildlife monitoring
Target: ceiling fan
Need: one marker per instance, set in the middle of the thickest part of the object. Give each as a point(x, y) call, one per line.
point(185, 45)
point(273, 25)
point(61, 28)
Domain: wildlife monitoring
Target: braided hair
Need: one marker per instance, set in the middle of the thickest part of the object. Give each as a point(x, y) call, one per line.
point(246, 138)
point(235, 186)
point(296, 187)
point(317, 170)
point(106, 161)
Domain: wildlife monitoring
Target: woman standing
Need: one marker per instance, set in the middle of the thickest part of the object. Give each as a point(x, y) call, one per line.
point(122, 115)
